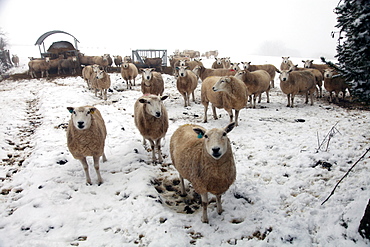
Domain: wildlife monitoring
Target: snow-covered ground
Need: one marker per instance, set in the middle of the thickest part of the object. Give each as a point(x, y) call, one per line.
point(275, 200)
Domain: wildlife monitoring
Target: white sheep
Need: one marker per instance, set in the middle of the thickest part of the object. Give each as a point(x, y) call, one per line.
point(129, 72)
point(226, 63)
point(205, 158)
point(333, 82)
point(86, 135)
point(297, 82)
point(42, 66)
point(271, 69)
point(152, 82)
point(224, 92)
point(101, 83)
point(235, 67)
point(186, 83)
point(257, 82)
point(151, 119)
point(217, 64)
point(286, 63)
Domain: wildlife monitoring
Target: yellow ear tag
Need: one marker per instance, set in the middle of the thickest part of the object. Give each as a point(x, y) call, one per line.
point(92, 112)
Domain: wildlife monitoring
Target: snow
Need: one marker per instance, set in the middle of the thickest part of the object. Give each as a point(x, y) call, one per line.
point(275, 200)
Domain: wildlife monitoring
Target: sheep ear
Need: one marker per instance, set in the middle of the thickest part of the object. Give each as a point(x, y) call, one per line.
point(142, 70)
point(143, 101)
point(278, 71)
point(92, 110)
point(70, 109)
point(200, 132)
point(229, 127)
point(303, 61)
point(164, 97)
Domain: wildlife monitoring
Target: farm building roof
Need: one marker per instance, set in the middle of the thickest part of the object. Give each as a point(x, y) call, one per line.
point(47, 34)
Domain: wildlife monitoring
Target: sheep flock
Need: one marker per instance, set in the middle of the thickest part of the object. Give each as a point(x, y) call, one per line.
point(225, 86)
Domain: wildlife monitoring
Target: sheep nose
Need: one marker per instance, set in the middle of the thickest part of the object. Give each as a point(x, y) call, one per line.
point(216, 150)
point(80, 125)
point(214, 89)
point(157, 114)
point(284, 79)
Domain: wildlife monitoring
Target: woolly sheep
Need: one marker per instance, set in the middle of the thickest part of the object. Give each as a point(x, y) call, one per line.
point(117, 60)
point(151, 119)
point(333, 82)
point(297, 82)
point(87, 72)
point(286, 63)
point(152, 82)
point(205, 72)
point(318, 78)
point(205, 158)
point(86, 135)
point(191, 64)
point(129, 73)
point(271, 69)
point(85, 60)
point(42, 66)
point(186, 83)
point(217, 64)
point(226, 63)
point(235, 67)
point(102, 61)
point(309, 64)
point(101, 83)
point(257, 82)
point(70, 63)
point(225, 92)
point(15, 60)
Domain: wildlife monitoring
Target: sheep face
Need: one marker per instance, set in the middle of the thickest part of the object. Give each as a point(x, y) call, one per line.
point(328, 73)
point(219, 61)
point(222, 85)
point(96, 68)
point(147, 74)
point(235, 66)
point(307, 63)
point(125, 65)
point(246, 65)
point(100, 74)
point(182, 62)
point(153, 105)
point(182, 71)
point(240, 74)
point(216, 141)
point(284, 75)
point(286, 60)
point(81, 116)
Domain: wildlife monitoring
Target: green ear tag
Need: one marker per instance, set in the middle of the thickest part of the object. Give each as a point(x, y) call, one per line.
point(200, 135)
point(70, 110)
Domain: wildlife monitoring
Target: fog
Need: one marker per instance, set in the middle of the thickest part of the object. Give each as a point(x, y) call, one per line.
point(267, 27)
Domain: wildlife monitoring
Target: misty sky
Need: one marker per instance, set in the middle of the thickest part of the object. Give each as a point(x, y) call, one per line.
point(298, 28)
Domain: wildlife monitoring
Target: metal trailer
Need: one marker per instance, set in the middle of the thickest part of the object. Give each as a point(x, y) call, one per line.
point(139, 55)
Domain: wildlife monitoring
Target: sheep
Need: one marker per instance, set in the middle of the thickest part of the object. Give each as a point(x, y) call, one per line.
point(39, 65)
point(225, 92)
point(129, 73)
point(205, 158)
point(54, 63)
point(235, 67)
point(103, 61)
point(257, 82)
point(286, 63)
point(151, 119)
point(208, 54)
point(15, 60)
point(205, 72)
point(186, 83)
point(309, 64)
point(191, 64)
point(87, 72)
point(155, 62)
point(117, 60)
point(318, 78)
point(101, 83)
point(271, 69)
point(152, 82)
point(70, 63)
point(297, 82)
point(86, 133)
point(333, 82)
point(226, 63)
point(217, 64)
point(86, 60)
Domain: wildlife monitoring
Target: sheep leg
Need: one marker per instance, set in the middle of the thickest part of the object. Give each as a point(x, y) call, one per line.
point(230, 112)
point(192, 93)
point(158, 144)
point(259, 97)
point(306, 102)
point(292, 99)
point(153, 150)
point(311, 97)
point(182, 185)
point(214, 112)
point(204, 197)
point(236, 117)
point(254, 100)
point(268, 96)
point(86, 169)
point(272, 84)
point(185, 98)
point(134, 82)
point(104, 158)
point(96, 166)
point(205, 104)
point(288, 96)
point(218, 202)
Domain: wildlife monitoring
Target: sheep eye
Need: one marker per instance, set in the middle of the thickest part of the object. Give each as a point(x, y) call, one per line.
point(224, 134)
point(205, 136)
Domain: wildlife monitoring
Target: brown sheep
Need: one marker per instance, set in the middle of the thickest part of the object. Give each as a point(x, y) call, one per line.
point(309, 64)
point(155, 62)
point(102, 61)
point(42, 66)
point(333, 82)
point(205, 72)
point(70, 63)
point(205, 158)
point(225, 92)
point(117, 60)
point(297, 82)
point(271, 69)
point(101, 83)
point(318, 78)
point(186, 83)
point(151, 119)
point(129, 73)
point(152, 82)
point(86, 135)
point(217, 64)
point(85, 60)
point(286, 63)
point(257, 82)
